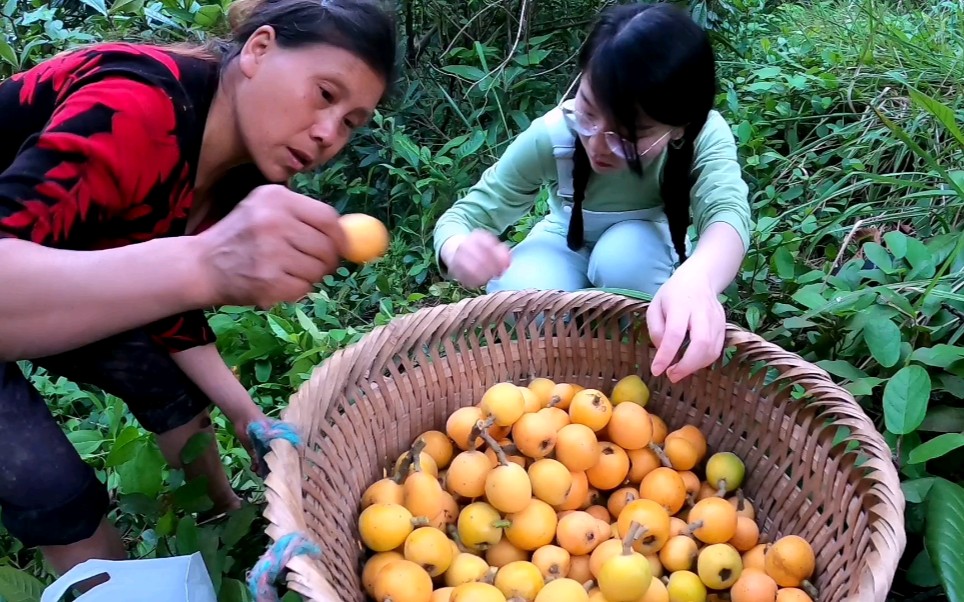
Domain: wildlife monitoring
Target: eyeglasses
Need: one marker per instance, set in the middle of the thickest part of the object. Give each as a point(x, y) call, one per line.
point(620, 147)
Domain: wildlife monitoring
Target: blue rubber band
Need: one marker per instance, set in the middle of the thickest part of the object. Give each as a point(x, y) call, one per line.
point(264, 574)
point(263, 432)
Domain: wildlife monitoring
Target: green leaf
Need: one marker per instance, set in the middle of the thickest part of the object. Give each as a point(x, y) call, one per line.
point(916, 490)
point(897, 243)
point(879, 256)
point(143, 473)
point(166, 524)
point(125, 447)
point(753, 316)
point(921, 572)
point(239, 524)
point(842, 369)
point(943, 113)
point(783, 262)
point(468, 72)
point(810, 297)
point(944, 532)
point(7, 53)
point(883, 341)
point(473, 144)
point(406, 148)
point(86, 442)
point(863, 386)
point(308, 325)
point(97, 5)
point(262, 371)
point(129, 6)
point(905, 399)
point(275, 323)
point(207, 16)
point(196, 446)
point(19, 586)
point(233, 590)
point(939, 356)
point(919, 257)
point(187, 536)
point(192, 496)
point(943, 419)
point(935, 448)
point(138, 503)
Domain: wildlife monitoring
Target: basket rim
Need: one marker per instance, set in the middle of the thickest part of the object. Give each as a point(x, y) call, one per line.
point(284, 510)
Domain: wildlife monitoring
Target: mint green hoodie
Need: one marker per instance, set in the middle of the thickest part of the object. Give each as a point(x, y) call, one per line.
point(507, 190)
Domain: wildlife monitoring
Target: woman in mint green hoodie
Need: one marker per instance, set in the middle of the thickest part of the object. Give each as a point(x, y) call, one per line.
point(627, 162)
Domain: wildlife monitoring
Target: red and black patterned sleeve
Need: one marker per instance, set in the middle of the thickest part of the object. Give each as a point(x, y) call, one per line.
point(100, 164)
point(108, 142)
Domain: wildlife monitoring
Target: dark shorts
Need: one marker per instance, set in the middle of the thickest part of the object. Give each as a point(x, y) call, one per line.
point(48, 494)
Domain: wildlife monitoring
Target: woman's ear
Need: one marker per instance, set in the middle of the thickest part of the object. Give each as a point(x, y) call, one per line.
point(255, 48)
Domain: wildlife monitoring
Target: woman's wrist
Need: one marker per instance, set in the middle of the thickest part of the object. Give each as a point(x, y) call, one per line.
point(207, 369)
point(717, 257)
point(449, 247)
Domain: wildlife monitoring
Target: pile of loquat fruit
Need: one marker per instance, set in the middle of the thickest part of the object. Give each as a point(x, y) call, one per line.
point(553, 492)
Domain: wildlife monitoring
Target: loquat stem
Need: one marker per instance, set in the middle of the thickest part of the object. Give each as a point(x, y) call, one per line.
point(402, 471)
point(502, 524)
point(663, 458)
point(635, 531)
point(487, 423)
point(454, 534)
point(554, 401)
point(416, 454)
point(473, 435)
point(589, 585)
point(490, 576)
point(420, 521)
point(811, 589)
point(690, 528)
point(510, 449)
point(721, 488)
point(492, 443)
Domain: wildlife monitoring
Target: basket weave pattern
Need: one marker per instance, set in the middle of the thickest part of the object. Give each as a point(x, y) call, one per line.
point(366, 404)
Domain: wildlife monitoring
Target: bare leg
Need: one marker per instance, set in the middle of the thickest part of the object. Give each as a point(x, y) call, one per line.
point(104, 544)
point(206, 465)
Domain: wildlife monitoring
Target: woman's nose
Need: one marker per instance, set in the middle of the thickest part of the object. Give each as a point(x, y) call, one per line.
point(324, 129)
point(597, 144)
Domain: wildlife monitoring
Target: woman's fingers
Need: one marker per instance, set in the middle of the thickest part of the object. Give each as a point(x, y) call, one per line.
point(706, 336)
point(677, 320)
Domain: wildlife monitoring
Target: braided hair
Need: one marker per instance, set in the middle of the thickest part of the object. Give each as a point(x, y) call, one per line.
point(652, 60)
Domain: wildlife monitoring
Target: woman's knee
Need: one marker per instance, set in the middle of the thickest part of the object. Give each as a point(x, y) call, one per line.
point(635, 255)
point(544, 263)
point(48, 494)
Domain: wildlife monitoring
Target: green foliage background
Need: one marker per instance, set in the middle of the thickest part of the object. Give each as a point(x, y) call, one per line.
point(846, 113)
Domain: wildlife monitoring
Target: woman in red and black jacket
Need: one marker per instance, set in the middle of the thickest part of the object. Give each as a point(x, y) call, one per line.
point(140, 185)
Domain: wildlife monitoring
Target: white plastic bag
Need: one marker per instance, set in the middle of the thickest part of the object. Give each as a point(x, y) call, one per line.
point(176, 579)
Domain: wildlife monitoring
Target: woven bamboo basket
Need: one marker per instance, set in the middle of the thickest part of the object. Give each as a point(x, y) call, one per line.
point(816, 466)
